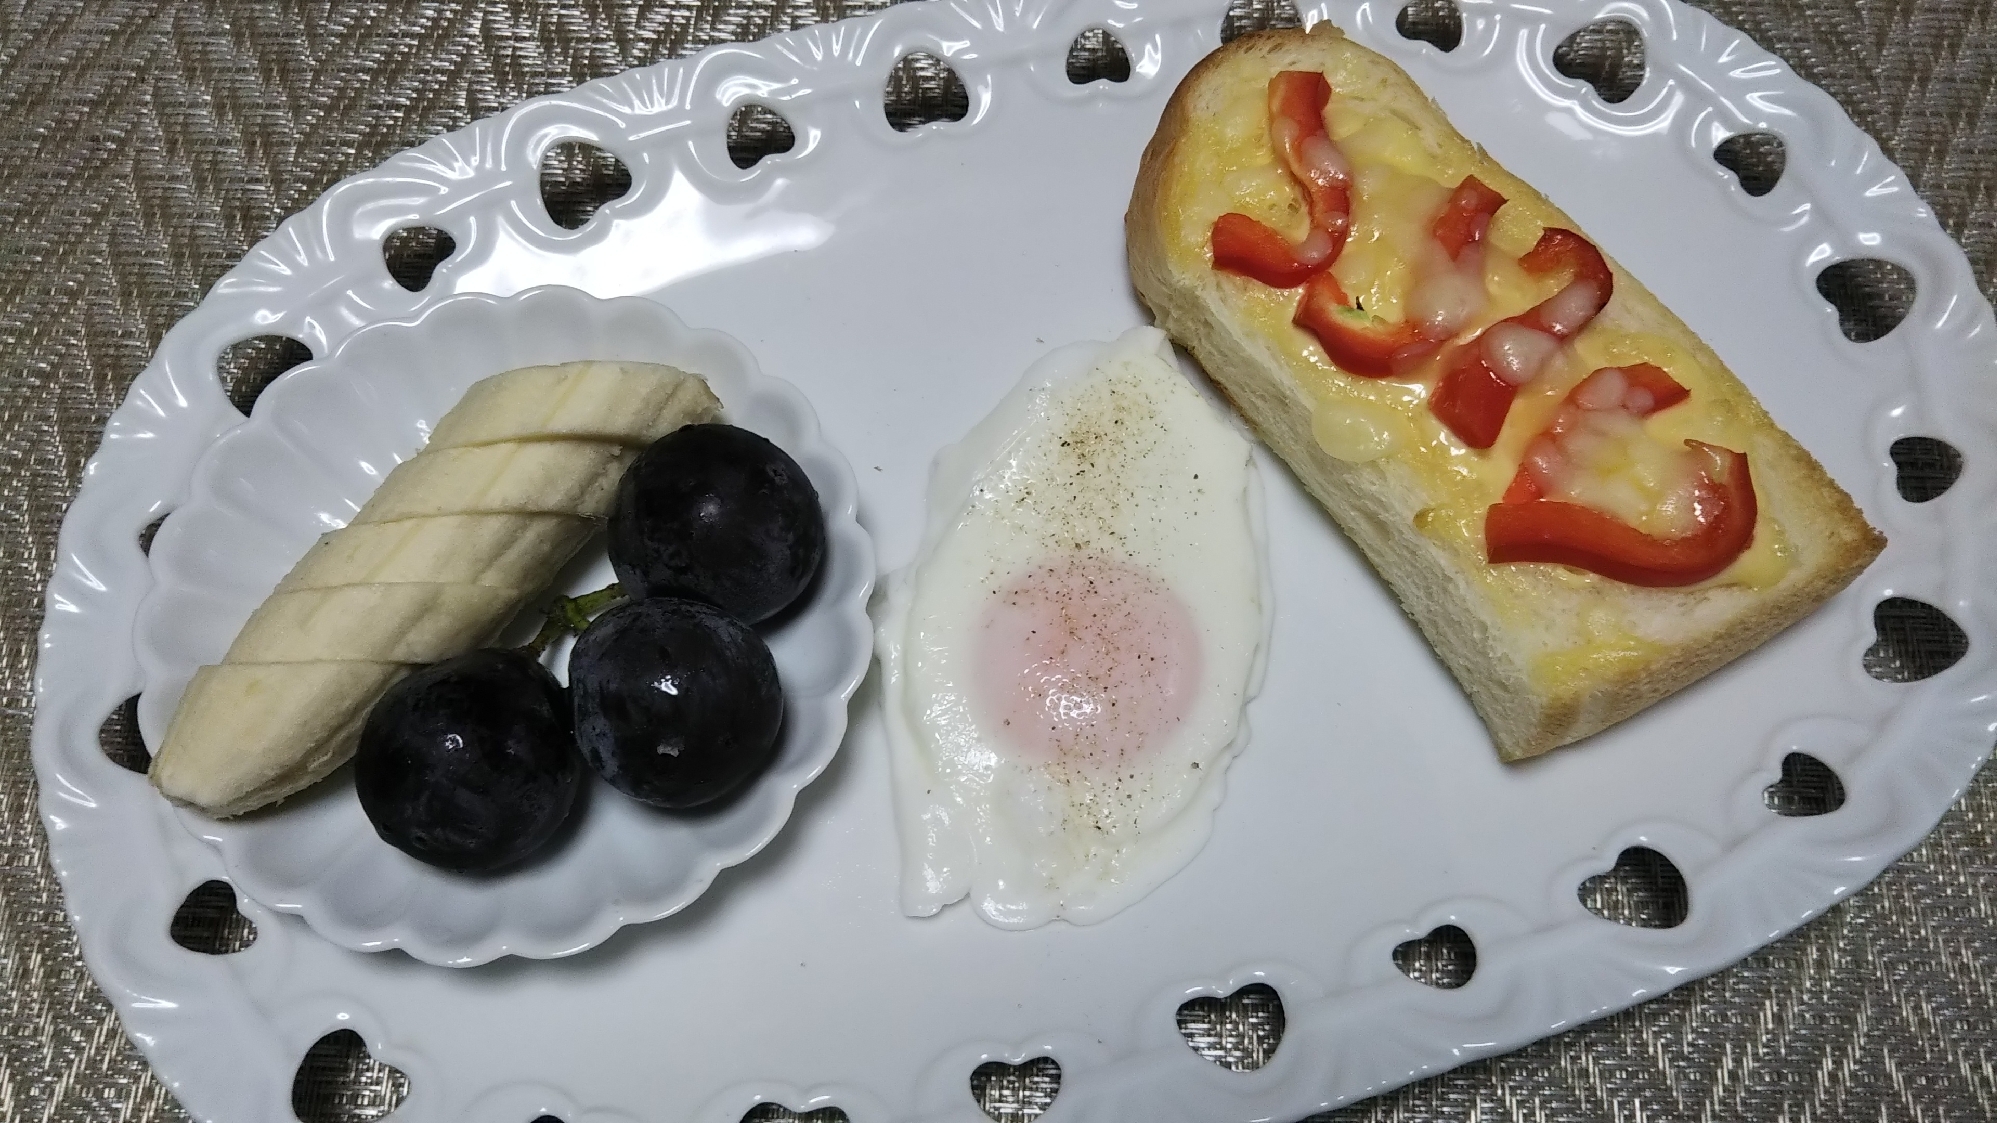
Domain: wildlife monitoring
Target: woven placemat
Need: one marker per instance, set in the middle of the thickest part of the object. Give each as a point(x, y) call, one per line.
point(144, 147)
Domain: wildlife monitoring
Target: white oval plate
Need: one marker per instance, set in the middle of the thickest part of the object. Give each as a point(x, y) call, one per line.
point(318, 442)
point(903, 282)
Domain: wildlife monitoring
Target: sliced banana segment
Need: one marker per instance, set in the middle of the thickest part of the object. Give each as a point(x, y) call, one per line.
point(222, 753)
point(409, 623)
point(530, 477)
point(577, 401)
point(515, 479)
point(502, 550)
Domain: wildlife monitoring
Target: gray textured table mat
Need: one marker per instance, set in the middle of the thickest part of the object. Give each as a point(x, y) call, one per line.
point(145, 146)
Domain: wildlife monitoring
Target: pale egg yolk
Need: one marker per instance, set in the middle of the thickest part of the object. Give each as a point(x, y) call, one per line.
point(1086, 661)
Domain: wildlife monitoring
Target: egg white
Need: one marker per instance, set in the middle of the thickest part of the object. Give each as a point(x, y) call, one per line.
point(1108, 454)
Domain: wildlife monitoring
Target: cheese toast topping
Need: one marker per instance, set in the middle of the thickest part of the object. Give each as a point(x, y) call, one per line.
point(1593, 491)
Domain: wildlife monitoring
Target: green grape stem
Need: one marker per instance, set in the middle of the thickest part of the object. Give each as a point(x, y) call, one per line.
point(571, 615)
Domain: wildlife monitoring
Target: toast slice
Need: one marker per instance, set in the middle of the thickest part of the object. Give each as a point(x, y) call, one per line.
point(1548, 653)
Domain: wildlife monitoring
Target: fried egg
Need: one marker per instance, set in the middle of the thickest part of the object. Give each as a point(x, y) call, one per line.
point(1066, 661)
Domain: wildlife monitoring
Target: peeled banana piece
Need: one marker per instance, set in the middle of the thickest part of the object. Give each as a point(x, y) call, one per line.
point(513, 481)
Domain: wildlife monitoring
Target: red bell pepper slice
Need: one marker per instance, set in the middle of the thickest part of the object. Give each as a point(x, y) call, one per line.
point(1296, 123)
point(1245, 246)
point(1548, 530)
point(1466, 217)
point(1663, 390)
point(1371, 347)
point(1470, 398)
point(1648, 390)
point(1586, 293)
point(1296, 120)
point(1359, 343)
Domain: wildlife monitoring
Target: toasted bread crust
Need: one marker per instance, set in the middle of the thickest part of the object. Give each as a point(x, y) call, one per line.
point(1376, 502)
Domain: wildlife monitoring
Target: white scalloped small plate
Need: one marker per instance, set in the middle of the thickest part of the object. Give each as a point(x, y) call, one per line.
point(904, 281)
point(319, 441)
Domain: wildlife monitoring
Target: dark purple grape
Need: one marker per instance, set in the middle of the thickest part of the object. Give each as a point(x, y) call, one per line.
point(469, 764)
point(677, 703)
point(717, 514)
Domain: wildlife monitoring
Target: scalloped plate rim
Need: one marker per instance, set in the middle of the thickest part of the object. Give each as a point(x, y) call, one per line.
point(1942, 772)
